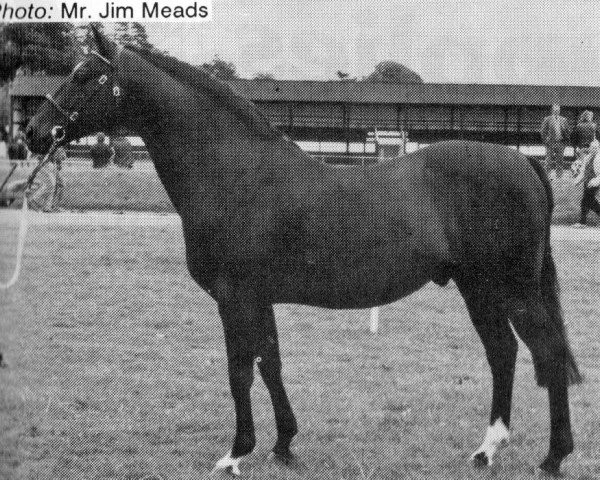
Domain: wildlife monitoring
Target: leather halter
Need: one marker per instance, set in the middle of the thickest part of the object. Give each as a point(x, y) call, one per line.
point(73, 115)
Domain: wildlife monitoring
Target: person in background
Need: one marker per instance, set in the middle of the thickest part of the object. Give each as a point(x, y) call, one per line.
point(101, 153)
point(589, 175)
point(48, 193)
point(123, 152)
point(584, 140)
point(555, 134)
point(59, 157)
point(4, 142)
point(17, 150)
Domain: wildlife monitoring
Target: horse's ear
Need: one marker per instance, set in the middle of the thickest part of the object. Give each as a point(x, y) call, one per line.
point(106, 47)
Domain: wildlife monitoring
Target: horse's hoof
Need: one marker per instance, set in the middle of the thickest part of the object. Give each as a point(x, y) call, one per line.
point(551, 466)
point(228, 464)
point(288, 460)
point(221, 475)
point(496, 436)
point(480, 460)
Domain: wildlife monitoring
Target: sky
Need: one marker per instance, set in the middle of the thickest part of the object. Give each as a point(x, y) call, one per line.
point(549, 42)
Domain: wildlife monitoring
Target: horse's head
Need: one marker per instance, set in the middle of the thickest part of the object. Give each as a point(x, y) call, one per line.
point(89, 101)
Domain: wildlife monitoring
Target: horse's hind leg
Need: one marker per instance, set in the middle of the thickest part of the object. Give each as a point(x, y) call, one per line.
point(270, 370)
point(500, 345)
point(550, 352)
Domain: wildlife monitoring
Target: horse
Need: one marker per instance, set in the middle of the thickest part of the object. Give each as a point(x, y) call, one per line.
point(264, 223)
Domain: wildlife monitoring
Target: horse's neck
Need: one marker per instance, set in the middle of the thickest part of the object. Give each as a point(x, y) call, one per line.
point(198, 146)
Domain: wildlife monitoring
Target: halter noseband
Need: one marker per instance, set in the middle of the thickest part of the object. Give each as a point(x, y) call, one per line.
point(74, 115)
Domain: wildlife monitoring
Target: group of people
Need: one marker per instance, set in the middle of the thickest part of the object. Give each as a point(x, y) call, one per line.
point(556, 135)
point(49, 187)
point(118, 152)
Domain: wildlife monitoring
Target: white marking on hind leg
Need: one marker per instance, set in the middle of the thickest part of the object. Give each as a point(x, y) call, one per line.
point(495, 436)
point(228, 462)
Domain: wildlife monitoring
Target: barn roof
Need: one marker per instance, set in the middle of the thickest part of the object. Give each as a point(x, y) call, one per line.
point(414, 93)
point(375, 93)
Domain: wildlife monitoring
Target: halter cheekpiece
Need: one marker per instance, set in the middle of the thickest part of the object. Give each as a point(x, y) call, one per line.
point(74, 115)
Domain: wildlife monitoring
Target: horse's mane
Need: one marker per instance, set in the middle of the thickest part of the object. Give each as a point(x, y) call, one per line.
point(200, 79)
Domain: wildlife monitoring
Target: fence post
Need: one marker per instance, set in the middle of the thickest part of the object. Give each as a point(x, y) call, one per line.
point(374, 320)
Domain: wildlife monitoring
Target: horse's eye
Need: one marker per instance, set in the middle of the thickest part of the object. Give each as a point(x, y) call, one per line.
point(80, 76)
point(83, 74)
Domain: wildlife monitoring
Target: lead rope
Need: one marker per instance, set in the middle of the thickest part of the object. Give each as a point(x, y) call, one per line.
point(23, 223)
point(20, 245)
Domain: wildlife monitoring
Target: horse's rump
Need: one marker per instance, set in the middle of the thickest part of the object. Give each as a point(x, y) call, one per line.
point(491, 199)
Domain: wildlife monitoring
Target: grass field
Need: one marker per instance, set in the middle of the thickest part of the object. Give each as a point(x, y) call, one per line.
point(140, 190)
point(108, 189)
point(117, 370)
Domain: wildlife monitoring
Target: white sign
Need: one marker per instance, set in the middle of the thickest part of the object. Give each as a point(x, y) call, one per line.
point(14, 11)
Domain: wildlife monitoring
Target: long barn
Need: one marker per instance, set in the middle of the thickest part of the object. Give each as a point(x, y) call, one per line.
point(349, 112)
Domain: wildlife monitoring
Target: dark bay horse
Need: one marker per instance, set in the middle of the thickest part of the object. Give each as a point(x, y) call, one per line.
point(264, 223)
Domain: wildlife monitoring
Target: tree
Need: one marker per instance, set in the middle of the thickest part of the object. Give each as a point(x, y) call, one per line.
point(221, 69)
point(37, 47)
point(121, 33)
point(4, 107)
point(133, 34)
point(84, 35)
point(125, 33)
point(389, 71)
point(140, 36)
point(264, 76)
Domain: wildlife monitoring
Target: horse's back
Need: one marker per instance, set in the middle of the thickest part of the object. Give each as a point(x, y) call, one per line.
point(445, 195)
point(480, 161)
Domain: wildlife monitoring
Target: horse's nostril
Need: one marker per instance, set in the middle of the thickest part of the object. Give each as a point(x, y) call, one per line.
point(29, 133)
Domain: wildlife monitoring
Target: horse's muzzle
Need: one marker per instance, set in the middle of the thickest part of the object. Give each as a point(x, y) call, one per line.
point(36, 142)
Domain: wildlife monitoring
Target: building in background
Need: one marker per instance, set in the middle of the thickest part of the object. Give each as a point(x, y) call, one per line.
point(341, 117)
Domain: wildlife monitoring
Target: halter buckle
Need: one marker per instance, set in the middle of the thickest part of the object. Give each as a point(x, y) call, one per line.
point(116, 91)
point(102, 80)
point(74, 116)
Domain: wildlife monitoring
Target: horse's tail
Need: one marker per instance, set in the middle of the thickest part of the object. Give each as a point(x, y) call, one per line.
point(550, 288)
point(550, 295)
point(541, 172)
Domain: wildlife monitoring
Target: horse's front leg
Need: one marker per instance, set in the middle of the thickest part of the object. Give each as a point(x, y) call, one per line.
point(239, 317)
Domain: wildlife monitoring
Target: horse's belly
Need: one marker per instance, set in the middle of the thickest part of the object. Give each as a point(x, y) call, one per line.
point(358, 286)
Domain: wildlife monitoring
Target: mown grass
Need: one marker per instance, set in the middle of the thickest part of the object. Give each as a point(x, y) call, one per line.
point(109, 188)
point(116, 189)
point(117, 370)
